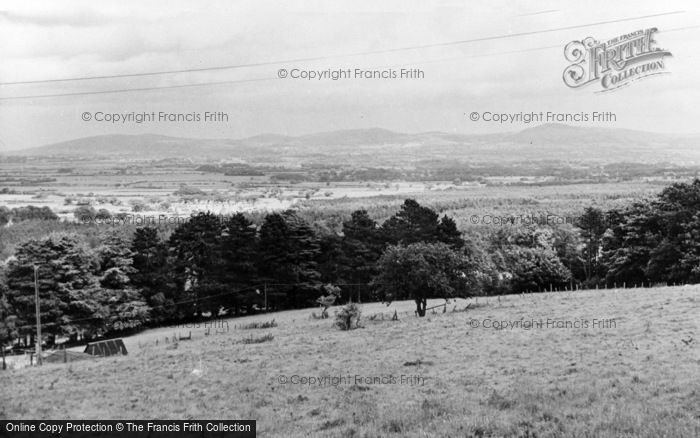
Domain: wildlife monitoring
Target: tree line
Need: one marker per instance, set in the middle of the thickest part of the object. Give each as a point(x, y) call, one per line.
point(213, 265)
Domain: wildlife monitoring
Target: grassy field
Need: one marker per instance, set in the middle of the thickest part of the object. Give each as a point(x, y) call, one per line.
point(627, 366)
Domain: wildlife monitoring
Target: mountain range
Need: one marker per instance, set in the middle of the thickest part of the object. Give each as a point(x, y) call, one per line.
point(376, 146)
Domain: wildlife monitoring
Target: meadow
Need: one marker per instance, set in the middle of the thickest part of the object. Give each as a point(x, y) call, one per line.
point(598, 363)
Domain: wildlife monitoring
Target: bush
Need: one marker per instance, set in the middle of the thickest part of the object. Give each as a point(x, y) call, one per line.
point(348, 317)
point(138, 206)
point(103, 214)
point(84, 213)
point(326, 301)
point(259, 325)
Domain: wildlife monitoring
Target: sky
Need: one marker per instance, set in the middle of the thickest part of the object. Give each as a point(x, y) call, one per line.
point(47, 40)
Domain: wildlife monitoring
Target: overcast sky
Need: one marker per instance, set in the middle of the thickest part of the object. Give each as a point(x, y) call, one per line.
point(51, 40)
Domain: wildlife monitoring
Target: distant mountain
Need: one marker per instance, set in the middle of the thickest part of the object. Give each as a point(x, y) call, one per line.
point(383, 147)
point(131, 146)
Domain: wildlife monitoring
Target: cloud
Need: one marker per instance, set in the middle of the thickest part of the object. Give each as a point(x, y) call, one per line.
point(82, 18)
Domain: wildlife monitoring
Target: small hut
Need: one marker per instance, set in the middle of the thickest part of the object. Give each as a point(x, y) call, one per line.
point(110, 347)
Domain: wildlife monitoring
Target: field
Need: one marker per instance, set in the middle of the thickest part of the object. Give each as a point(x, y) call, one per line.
point(627, 364)
point(156, 188)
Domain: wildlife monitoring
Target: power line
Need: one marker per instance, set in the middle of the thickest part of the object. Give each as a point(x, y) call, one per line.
point(128, 90)
point(203, 84)
point(319, 58)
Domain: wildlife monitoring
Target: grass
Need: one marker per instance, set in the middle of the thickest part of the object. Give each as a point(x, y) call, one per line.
point(451, 376)
point(257, 340)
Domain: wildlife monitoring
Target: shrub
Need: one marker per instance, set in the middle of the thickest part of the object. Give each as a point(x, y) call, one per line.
point(325, 301)
point(103, 214)
point(138, 206)
point(186, 190)
point(348, 317)
point(84, 213)
point(259, 325)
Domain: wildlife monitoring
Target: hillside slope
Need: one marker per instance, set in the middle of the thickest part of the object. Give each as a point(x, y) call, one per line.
point(453, 374)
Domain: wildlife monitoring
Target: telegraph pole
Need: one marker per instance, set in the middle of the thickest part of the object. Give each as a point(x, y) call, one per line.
point(38, 317)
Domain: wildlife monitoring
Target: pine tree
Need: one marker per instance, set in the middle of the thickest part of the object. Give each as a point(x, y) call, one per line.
point(239, 252)
point(68, 288)
point(8, 319)
point(361, 248)
point(197, 264)
point(287, 261)
point(413, 223)
point(125, 305)
point(416, 223)
point(151, 274)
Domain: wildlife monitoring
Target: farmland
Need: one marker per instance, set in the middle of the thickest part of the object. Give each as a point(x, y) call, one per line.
point(178, 189)
point(632, 374)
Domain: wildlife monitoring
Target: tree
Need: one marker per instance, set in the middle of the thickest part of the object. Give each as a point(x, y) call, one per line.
point(31, 212)
point(306, 251)
point(275, 259)
point(413, 223)
point(448, 233)
point(85, 213)
point(331, 257)
point(592, 225)
point(416, 223)
point(239, 252)
point(535, 269)
point(126, 307)
point(526, 260)
point(656, 241)
point(197, 263)
point(288, 260)
point(419, 271)
point(8, 330)
point(5, 215)
point(628, 244)
point(151, 274)
point(360, 250)
point(67, 285)
point(483, 277)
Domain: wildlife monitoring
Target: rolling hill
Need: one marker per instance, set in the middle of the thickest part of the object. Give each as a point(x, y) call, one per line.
point(383, 147)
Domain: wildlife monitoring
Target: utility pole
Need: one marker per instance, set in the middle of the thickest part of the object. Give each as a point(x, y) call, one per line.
point(38, 317)
point(265, 289)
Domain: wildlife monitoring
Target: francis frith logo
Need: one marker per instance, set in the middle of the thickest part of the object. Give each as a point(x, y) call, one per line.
point(614, 63)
